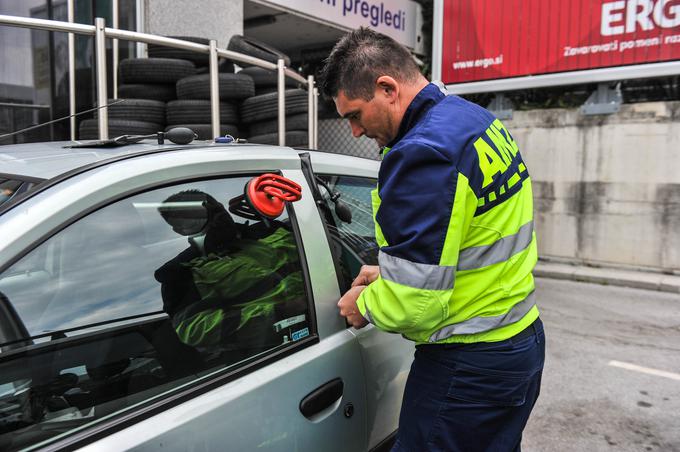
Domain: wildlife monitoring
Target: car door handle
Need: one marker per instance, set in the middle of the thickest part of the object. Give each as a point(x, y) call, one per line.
point(323, 400)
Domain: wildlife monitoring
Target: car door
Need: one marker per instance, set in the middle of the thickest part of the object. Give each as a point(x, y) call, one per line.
point(167, 320)
point(387, 357)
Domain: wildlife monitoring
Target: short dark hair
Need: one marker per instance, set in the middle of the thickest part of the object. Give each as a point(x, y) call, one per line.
point(359, 58)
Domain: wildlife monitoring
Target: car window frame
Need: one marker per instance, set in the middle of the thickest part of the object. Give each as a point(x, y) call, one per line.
point(215, 378)
point(341, 282)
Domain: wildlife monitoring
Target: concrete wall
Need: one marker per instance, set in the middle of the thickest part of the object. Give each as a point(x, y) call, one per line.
point(212, 19)
point(606, 188)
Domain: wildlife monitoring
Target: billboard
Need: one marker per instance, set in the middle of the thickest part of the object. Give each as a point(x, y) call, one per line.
point(398, 19)
point(499, 39)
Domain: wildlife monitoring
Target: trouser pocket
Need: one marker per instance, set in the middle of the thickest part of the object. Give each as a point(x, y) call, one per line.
point(489, 387)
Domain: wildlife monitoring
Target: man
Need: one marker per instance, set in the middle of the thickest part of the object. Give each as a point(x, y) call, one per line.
point(454, 222)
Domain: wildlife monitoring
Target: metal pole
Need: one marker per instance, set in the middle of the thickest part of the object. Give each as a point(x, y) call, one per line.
point(310, 110)
point(114, 13)
point(437, 39)
point(141, 49)
point(214, 90)
point(281, 86)
point(72, 71)
point(316, 118)
point(102, 98)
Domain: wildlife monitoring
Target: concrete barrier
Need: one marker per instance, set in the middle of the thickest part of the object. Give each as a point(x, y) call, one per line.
point(606, 188)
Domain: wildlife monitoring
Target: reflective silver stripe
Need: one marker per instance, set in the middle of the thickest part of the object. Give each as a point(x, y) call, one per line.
point(413, 274)
point(441, 87)
point(481, 324)
point(502, 250)
point(368, 315)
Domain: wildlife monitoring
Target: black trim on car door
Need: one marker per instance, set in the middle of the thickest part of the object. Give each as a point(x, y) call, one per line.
point(323, 210)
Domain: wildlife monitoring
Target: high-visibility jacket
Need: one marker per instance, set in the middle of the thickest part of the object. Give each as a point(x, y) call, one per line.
point(454, 222)
point(239, 287)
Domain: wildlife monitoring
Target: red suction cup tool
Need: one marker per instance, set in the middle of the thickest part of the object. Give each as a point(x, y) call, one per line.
point(269, 192)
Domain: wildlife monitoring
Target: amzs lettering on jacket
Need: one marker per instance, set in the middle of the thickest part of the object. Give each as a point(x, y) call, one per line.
point(494, 161)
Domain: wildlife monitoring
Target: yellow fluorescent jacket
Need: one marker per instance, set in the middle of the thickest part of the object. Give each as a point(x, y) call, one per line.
point(454, 222)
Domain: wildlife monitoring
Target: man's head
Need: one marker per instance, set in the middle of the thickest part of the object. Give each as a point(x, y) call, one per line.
point(372, 80)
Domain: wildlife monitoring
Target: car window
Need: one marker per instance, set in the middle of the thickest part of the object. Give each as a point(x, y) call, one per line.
point(135, 300)
point(354, 243)
point(10, 187)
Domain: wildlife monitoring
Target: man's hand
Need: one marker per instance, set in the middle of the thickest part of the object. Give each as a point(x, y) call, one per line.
point(349, 310)
point(367, 275)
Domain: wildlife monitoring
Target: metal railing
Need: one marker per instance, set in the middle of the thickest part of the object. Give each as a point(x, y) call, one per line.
point(101, 33)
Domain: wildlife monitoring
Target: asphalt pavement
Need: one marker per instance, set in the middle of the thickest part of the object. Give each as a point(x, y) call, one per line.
point(612, 375)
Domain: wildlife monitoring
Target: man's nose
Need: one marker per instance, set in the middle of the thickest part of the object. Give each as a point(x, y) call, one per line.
point(357, 130)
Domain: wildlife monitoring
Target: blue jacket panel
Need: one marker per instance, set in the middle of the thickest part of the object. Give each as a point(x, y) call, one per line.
point(417, 179)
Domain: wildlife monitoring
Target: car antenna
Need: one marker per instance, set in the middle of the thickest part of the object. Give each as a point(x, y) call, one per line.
point(59, 119)
point(177, 135)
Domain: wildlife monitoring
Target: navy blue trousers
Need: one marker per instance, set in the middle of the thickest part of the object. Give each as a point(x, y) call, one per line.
point(471, 397)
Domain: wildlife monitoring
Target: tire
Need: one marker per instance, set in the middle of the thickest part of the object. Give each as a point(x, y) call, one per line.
point(260, 90)
point(223, 67)
point(264, 77)
point(198, 112)
point(259, 108)
point(162, 92)
point(154, 70)
point(294, 122)
point(199, 59)
point(293, 138)
point(89, 128)
point(232, 86)
point(137, 109)
point(256, 48)
point(204, 131)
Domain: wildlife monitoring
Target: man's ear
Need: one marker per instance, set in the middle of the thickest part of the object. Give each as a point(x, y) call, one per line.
point(387, 86)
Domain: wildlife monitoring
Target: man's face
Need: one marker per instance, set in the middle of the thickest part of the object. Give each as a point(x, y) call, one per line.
point(372, 118)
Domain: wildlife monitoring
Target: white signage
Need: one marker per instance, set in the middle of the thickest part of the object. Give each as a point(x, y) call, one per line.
point(632, 15)
point(394, 18)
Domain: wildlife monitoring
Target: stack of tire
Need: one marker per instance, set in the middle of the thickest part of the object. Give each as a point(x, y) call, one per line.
point(259, 113)
point(147, 84)
point(192, 109)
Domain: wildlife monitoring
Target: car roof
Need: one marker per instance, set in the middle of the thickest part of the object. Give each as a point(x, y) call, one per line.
point(49, 159)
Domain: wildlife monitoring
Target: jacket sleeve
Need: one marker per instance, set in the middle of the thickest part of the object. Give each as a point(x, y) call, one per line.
point(425, 207)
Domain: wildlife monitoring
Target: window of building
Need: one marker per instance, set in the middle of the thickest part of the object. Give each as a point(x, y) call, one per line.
point(150, 293)
point(34, 86)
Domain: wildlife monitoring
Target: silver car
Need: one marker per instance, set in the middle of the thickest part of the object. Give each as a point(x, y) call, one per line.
point(147, 302)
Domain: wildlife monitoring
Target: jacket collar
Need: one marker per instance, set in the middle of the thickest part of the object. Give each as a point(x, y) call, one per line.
point(419, 106)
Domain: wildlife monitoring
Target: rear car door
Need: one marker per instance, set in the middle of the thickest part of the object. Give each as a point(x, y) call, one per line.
point(162, 319)
point(387, 357)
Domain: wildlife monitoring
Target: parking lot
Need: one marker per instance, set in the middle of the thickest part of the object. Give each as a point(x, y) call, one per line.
point(612, 375)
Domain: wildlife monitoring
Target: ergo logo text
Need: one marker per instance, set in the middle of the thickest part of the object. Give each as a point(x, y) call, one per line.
point(627, 16)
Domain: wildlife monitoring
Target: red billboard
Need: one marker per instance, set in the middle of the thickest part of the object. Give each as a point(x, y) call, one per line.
point(495, 39)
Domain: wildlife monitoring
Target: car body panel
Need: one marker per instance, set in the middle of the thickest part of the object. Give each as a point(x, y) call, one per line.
point(47, 160)
point(319, 260)
point(386, 357)
point(229, 418)
point(327, 163)
point(373, 365)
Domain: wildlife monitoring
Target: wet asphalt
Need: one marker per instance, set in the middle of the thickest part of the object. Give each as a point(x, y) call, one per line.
point(612, 376)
